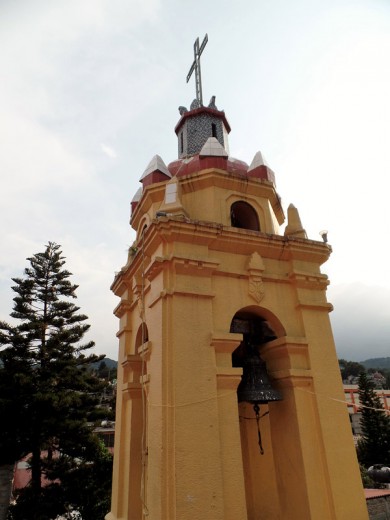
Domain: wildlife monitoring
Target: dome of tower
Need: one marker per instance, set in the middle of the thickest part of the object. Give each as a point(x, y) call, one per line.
point(187, 166)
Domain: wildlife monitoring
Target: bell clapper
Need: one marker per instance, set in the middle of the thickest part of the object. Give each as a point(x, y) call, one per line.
point(256, 408)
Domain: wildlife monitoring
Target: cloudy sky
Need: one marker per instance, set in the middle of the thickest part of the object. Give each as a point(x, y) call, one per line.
point(89, 92)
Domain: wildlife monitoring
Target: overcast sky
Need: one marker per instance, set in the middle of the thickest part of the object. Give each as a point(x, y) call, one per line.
point(89, 92)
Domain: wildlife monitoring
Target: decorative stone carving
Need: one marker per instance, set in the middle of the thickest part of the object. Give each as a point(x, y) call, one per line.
point(256, 263)
point(256, 289)
point(255, 283)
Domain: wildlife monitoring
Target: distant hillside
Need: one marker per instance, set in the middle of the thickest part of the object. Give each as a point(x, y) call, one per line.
point(110, 363)
point(382, 362)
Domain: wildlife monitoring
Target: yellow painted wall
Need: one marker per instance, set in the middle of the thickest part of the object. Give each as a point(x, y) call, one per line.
point(185, 449)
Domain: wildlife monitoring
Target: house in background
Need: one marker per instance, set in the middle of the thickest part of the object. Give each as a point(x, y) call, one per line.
point(351, 393)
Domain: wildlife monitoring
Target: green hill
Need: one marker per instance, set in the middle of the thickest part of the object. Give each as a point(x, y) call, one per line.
point(383, 363)
point(110, 363)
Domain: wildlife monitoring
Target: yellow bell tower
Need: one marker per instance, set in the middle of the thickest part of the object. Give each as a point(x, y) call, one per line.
point(210, 285)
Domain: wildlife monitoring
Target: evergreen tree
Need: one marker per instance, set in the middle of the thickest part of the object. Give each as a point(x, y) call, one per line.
point(47, 392)
point(374, 445)
point(103, 370)
point(87, 488)
point(83, 488)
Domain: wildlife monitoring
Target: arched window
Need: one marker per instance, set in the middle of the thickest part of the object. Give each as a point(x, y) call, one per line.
point(243, 216)
point(256, 332)
point(141, 230)
point(142, 336)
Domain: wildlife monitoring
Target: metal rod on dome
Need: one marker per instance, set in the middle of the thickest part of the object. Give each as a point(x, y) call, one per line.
point(196, 66)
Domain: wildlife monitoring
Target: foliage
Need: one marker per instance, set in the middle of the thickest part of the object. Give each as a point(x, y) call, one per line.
point(106, 372)
point(350, 368)
point(366, 479)
point(47, 392)
point(381, 365)
point(374, 444)
point(87, 488)
point(81, 490)
point(70, 515)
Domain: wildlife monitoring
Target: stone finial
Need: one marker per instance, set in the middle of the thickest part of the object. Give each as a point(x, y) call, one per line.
point(195, 104)
point(258, 160)
point(156, 165)
point(137, 197)
point(212, 103)
point(260, 169)
point(213, 148)
point(294, 226)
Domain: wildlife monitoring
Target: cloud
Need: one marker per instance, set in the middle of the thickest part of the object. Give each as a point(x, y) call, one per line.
point(93, 267)
point(83, 79)
point(361, 321)
point(108, 150)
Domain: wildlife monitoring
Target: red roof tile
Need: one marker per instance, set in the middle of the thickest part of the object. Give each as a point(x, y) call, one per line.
point(376, 493)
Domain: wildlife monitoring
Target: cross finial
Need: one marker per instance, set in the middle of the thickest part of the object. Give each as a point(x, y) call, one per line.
point(196, 66)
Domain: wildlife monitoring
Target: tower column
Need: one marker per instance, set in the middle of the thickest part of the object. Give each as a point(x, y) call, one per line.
point(340, 454)
point(187, 400)
point(191, 456)
point(228, 379)
point(303, 475)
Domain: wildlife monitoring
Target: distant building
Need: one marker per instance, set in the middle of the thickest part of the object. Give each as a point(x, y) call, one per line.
point(351, 393)
point(106, 432)
point(378, 379)
point(22, 469)
point(352, 398)
point(22, 472)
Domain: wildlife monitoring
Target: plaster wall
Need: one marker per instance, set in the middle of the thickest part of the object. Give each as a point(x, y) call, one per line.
point(212, 201)
point(184, 448)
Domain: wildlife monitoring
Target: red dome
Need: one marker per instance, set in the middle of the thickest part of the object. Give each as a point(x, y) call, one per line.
point(187, 166)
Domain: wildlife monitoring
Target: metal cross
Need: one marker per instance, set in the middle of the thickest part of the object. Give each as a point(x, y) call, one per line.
point(196, 66)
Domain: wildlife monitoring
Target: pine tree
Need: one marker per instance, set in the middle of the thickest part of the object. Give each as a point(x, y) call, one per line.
point(374, 445)
point(47, 392)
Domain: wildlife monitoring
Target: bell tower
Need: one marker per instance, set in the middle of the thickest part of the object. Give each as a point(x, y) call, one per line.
point(230, 404)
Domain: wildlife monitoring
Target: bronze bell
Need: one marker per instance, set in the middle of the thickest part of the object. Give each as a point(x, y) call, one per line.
point(254, 386)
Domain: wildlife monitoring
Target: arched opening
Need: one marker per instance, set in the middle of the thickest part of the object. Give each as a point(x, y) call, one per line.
point(141, 232)
point(142, 336)
point(243, 215)
point(259, 469)
point(255, 330)
point(137, 413)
